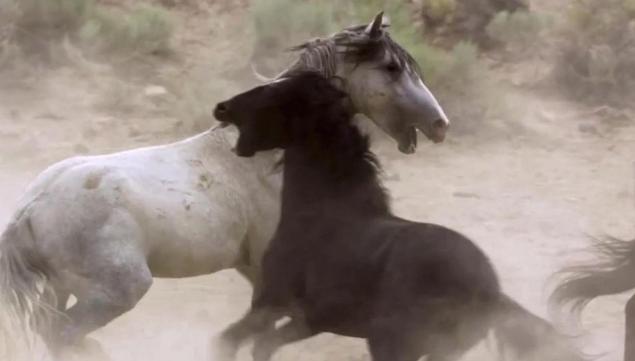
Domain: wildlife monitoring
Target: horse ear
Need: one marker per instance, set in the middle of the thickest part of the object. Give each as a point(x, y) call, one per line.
point(374, 29)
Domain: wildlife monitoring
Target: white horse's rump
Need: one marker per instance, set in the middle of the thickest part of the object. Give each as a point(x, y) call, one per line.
point(100, 227)
point(192, 204)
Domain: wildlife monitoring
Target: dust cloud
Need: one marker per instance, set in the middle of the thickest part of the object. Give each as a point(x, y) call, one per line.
point(527, 187)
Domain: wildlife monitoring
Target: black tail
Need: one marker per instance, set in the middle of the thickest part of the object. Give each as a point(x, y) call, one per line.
point(521, 334)
point(613, 273)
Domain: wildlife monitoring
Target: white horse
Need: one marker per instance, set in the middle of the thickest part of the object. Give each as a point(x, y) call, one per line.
point(101, 227)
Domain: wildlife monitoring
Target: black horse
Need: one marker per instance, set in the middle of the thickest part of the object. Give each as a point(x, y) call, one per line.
point(341, 262)
point(612, 275)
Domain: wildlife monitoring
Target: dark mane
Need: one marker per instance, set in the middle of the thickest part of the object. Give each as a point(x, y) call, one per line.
point(325, 134)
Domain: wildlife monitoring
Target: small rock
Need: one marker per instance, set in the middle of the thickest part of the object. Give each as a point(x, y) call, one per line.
point(155, 91)
point(133, 131)
point(81, 148)
point(588, 128)
point(90, 132)
point(466, 195)
point(546, 115)
point(178, 125)
point(393, 177)
point(49, 115)
point(10, 134)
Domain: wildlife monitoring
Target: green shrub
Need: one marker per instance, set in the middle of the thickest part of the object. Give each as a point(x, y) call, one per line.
point(53, 15)
point(9, 13)
point(597, 61)
point(36, 27)
point(438, 10)
point(284, 22)
point(453, 21)
point(144, 29)
point(520, 31)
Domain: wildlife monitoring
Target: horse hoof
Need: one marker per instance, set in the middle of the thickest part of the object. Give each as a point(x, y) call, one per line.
point(94, 348)
point(87, 349)
point(223, 350)
point(261, 352)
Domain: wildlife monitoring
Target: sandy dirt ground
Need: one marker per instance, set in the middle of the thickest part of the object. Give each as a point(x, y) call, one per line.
point(528, 198)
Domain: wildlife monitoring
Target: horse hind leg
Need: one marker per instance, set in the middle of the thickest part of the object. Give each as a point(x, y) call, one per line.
point(108, 281)
point(59, 298)
point(391, 338)
point(629, 339)
point(116, 292)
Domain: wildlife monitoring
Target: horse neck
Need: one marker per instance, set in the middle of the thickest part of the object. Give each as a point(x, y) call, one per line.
point(331, 173)
point(260, 175)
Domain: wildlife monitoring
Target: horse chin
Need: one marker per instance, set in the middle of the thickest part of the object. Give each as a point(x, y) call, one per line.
point(434, 137)
point(408, 143)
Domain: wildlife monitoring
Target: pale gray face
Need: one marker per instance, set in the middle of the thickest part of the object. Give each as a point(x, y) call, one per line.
point(389, 91)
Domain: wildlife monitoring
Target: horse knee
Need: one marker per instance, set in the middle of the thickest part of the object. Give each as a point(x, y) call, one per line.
point(131, 291)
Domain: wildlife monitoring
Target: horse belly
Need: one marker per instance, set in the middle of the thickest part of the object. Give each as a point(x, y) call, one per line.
point(347, 319)
point(193, 235)
point(192, 247)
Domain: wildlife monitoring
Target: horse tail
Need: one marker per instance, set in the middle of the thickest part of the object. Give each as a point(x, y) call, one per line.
point(614, 273)
point(27, 298)
point(520, 333)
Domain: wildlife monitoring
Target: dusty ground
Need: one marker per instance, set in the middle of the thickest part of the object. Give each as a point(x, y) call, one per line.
point(527, 198)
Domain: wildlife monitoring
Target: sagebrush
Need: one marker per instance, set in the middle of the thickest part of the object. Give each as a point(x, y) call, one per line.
point(597, 60)
point(35, 28)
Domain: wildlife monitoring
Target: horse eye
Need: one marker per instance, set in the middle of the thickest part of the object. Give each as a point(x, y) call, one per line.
point(393, 67)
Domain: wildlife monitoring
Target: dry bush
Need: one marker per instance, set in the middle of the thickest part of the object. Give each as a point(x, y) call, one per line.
point(40, 24)
point(36, 28)
point(597, 60)
point(452, 21)
point(143, 29)
point(519, 32)
point(9, 13)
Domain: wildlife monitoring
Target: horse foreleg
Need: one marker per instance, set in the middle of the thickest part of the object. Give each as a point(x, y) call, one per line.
point(629, 342)
point(252, 274)
point(256, 321)
point(270, 341)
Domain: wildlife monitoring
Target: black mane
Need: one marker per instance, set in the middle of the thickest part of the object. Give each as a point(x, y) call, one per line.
point(324, 133)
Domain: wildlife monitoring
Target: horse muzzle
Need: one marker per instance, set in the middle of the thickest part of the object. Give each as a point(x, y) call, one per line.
point(436, 130)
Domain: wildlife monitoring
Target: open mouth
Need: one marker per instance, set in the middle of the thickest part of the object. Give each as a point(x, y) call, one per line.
point(435, 136)
point(408, 143)
point(221, 125)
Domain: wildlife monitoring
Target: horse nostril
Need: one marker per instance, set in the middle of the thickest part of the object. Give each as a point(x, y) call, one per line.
point(440, 124)
point(221, 109)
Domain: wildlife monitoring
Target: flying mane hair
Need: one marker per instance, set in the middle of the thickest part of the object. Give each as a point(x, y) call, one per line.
point(356, 46)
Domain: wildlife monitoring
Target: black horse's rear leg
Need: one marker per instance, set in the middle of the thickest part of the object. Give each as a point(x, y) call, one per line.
point(629, 342)
point(392, 339)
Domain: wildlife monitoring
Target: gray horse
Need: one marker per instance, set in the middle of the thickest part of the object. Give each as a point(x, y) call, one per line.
point(101, 227)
